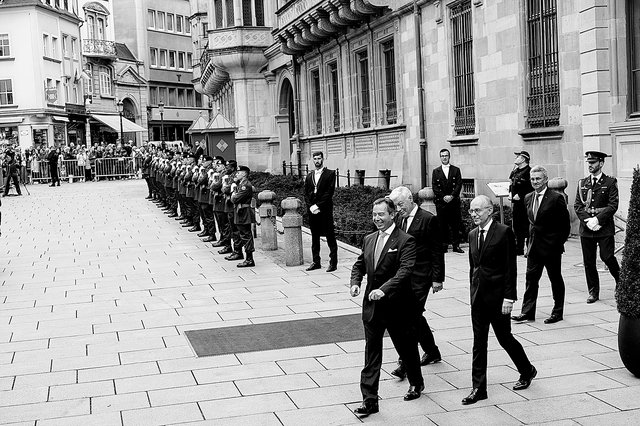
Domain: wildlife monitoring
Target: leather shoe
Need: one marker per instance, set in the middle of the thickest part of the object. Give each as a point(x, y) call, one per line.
point(475, 396)
point(194, 228)
point(187, 225)
point(173, 215)
point(525, 381)
point(203, 234)
point(313, 267)
point(414, 392)
point(400, 372)
point(592, 298)
point(246, 264)
point(218, 244)
point(209, 239)
point(332, 268)
point(366, 409)
point(553, 319)
point(225, 250)
point(430, 358)
point(457, 249)
point(234, 256)
point(522, 318)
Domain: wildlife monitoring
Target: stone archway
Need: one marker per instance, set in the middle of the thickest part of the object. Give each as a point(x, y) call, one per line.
point(285, 119)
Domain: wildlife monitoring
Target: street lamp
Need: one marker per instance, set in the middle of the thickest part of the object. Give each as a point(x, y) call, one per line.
point(120, 111)
point(161, 109)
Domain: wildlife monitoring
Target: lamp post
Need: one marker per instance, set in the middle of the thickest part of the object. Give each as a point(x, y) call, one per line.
point(120, 110)
point(161, 109)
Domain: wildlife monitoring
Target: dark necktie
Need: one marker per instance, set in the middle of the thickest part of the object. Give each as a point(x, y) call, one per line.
point(595, 180)
point(481, 241)
point(536, 205)
point(404, 224)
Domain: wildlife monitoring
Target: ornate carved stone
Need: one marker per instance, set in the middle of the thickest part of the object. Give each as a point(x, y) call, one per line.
point(324, 23)
point(364, 8)
point(305, 28)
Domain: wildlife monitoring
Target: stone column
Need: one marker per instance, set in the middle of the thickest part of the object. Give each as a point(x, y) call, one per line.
point(292, 223)
point(267, 210)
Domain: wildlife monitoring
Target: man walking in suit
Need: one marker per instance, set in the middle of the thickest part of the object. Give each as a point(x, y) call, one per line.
point(428, 272)
point(519, 187)
point(492, 272)
point(447, 184)
point(596, 203)
point(550, 227)
point(319, 187)
point(387, 259)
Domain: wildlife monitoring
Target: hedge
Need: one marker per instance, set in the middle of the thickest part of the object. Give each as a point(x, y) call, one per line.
point(628, 289)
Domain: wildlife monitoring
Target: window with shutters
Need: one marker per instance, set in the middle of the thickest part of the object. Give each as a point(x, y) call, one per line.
point(462, 43)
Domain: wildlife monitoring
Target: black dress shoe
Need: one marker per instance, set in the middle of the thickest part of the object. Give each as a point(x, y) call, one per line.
point(429, 358)
point(332, 268)
point(186, 225)
point(525, 381)
point(219, 244)
point(400, 372)
point(366, 409)
point(246, 264)
point(174, 214)
point(522, 318)
point(234, 256)
point(553, 319)
point(592, 298)
point(148, 197)
point(225, 250)
point(475, 396)
point(458, 250)
point(203, 234)
point(414, 392)
point(195, 228)
point(313, 267)
point(209, 239)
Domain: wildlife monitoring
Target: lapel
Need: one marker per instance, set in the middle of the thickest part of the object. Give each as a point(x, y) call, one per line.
point(391, 240)
point(416, 222)
point(488, 238)
point(473, 246)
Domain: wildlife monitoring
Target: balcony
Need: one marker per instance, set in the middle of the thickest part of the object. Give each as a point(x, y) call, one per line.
point(99, 48)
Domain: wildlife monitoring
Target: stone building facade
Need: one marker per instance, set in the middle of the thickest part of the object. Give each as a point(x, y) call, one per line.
point(384, 85)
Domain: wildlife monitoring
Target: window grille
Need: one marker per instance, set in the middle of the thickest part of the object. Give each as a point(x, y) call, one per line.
point(4, 45)
point(362, 59)
point(259, 5)
point(6, 92)
point(462, 40)
point(230, 19)
point(543, 99)
point(390, 82)
point(217, 5)
point(246, 13)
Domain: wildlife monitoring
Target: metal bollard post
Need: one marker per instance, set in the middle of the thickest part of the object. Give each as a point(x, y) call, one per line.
point(292, 222)
point(427, 196)
point(268, 233)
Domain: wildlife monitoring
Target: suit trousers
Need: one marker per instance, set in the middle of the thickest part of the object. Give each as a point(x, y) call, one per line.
point(208, 220)
point(481, 318)
point(16, 183)
point(223, 226)
point(147, 179)
point(53, 171)
point(607, 248)
point(520, 223)
point(403, 338)
point(535, 264)
point(425, 335)
point(331, 242)
point(171, 196)
point(450, 219)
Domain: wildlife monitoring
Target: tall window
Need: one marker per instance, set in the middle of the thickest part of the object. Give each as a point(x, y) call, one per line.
point(389, 78)
point(189, 61)
point(170, 18)
point(178, 23)
point(229, 7)
point(5, 51)
point(101, 27)
point(181, 60)
point(65, 45)
point(153, 95)
point(634, 57)
point(160, 21)
point(217, 10)
point(45, 44)
point(105, 81)
point(153, 57)
point(6, 92)
point(89, 81)
point(543, 99)
point(246, 13)
point(316, 101)
point(151, 17)
point(163, 58)
point(172, 59)
point(173, 99)
point(259, 4)
point(364, 104)
point(181, 97)
point(462, 40)
point(74, 48)
point(54, 47)
point(91, 27)
point(334, 82)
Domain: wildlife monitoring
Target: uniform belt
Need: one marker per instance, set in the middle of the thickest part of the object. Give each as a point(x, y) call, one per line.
point(596, 210)
point(242, 205)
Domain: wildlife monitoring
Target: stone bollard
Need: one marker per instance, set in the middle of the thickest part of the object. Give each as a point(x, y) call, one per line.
point(427, 196)
point(267, 211)
point(559, 184)
point(292, 223)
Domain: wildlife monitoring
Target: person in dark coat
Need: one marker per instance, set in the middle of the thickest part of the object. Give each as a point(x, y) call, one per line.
point(596, 203)
point(12, 173)
point(244, 215)
point(52, 158)
point(319, 187)
point(447, 185)
point(520, 186)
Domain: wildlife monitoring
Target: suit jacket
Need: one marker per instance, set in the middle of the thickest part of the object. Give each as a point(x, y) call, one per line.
point(429, 266)
point(492, 272)
point(322, 197)
point(551, 227)
point(604, 199)
point(392, 275)
point(446, 186)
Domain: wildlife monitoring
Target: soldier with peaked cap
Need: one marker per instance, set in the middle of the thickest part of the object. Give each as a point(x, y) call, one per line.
point(596, 203)
point(206, 209)
point(231, 230)
point(244, 215)
point(519, 187)
point(186, 182)
point(192, 195)
point(219, 205)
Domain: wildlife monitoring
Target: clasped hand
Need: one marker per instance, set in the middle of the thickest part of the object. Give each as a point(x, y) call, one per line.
point(593, 223)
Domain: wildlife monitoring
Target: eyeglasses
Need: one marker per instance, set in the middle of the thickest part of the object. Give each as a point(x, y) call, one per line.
point(476, 211)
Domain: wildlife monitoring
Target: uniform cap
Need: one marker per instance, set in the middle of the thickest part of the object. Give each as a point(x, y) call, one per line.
point(244, 169)
point(525, 154)
point(594, 156)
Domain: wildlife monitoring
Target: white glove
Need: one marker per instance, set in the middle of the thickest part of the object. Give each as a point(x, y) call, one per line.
point(592, 223)
point(314, 209)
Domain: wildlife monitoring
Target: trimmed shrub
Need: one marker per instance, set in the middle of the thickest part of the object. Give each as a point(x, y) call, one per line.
point(628, 289)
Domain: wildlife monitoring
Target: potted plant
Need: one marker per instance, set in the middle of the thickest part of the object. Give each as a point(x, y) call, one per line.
point(628, 289)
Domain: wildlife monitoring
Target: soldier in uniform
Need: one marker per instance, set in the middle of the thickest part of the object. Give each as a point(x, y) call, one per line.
point(231, 231)
point(520, 186)
point(146, 171)
point(186, 181)
point(181, 191)
point(205, 209)
point(244, 216)
point(596, 203)
point(221, 178)
point(193, 201)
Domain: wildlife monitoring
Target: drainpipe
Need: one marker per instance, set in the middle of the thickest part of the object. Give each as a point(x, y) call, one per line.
point(417, 17)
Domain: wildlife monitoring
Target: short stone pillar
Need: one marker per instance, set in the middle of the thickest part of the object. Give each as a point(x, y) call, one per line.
point(427, 196)
point(559, 184)
point(267, 211)
point(292, 223)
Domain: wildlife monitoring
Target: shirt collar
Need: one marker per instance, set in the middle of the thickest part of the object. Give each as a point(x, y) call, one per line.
point(316, 171)
point(487, 226)
point(541, 193)
point(413, 212)
point(389, 230)
point(598, 176)
point(446, 166)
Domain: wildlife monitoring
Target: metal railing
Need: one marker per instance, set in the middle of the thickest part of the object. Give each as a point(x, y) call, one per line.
point(384, 178)
point(126, 167)
point(99, 47)
point(115, 167)
point(295, 169)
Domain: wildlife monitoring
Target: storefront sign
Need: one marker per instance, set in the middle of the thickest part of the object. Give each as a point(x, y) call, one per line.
point(52, 95)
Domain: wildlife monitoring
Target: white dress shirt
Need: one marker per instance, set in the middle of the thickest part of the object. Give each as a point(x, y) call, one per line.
point(445, 170)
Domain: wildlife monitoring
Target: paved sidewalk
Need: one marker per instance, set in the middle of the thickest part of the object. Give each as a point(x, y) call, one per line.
point(98, 286)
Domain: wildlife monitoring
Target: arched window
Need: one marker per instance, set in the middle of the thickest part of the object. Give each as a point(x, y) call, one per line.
point(105, 81)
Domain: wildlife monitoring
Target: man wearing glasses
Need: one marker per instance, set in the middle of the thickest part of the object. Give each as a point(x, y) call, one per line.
point(447, 184)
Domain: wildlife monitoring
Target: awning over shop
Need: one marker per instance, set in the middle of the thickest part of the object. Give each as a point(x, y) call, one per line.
point(11, 120)
point(60, 118)
point(113, 121)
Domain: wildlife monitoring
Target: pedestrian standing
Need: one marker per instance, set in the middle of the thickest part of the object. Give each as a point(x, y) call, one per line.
point(447, 185)
point(52, 159)
point(520, 186)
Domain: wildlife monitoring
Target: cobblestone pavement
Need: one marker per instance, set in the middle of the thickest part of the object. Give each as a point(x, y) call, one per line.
point(98, 286)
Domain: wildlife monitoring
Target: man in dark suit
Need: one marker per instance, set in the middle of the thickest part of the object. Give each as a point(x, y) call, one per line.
point(428, 272)
point(520, 186)
point(387, 258)
point(319, 187)
point(492, 275)
point(550, 227)
point(447, 184)
point(596, 203)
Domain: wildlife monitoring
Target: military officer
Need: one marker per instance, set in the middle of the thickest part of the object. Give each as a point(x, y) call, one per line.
point(232, 231)
point(596, 203)
point(219, 206)
point(186, 182)
point(520, 186)
point(206, 209)
point(244, 216)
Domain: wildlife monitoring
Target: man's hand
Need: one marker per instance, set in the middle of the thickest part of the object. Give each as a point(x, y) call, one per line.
point(355, 290)
point(376, 294)
point(592, 223)
point(437, 287)
point(314, 209)
point(447, 198)
point(507, 306)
